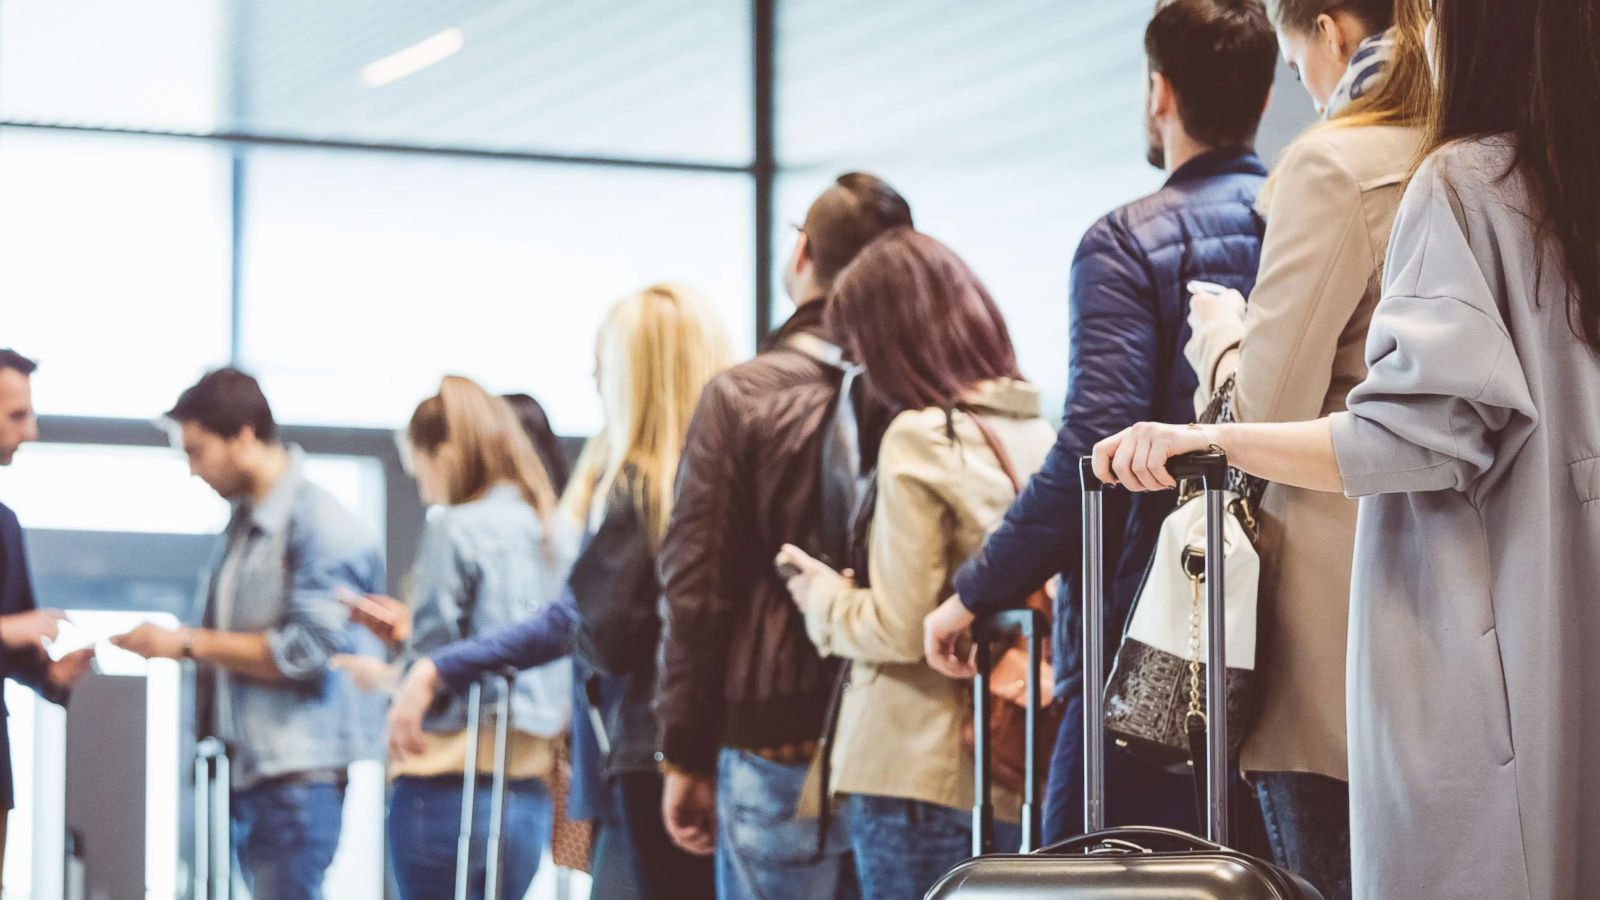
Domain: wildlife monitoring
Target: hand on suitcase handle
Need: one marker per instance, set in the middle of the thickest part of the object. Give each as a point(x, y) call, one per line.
point(1140, 458)
point(942, 634)
point(411, 702)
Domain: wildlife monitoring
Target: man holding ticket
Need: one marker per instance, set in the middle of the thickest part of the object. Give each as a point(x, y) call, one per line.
point(292, 724)
point(24, 628)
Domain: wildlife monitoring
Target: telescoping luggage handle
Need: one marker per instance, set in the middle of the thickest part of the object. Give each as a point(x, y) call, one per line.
point(1212, 470)
point(213, 845)
point(1031, 625)
point(495, 865)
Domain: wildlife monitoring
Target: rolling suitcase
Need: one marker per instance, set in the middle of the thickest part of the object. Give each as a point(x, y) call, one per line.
point(504, 680)
point(1129, 862)
point(212, 875)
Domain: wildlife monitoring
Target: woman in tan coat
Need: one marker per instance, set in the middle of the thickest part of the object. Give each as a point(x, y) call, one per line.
point(1295, 352)
point(937, 352)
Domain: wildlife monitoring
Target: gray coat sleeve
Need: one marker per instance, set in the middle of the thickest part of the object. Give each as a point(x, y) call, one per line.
point(1444, 378)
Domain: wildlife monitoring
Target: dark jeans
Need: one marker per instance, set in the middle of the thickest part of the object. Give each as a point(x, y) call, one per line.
point(425, 823)
point(285, 834)
point(1136, 794)
point(1308, 826)
point(634, 857)
point(902, 847)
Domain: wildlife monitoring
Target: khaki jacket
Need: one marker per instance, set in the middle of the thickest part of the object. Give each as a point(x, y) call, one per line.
point(900, 722)
point(1329, 210)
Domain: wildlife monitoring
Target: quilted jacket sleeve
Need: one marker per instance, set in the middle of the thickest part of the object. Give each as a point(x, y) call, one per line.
point(1112, 368)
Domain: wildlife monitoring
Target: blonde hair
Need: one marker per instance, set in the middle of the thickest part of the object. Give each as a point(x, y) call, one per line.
point(487, 445)
point(655, 353)
point(1405, 94)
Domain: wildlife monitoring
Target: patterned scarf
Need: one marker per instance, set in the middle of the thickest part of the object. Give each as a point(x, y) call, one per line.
point(1367, 69)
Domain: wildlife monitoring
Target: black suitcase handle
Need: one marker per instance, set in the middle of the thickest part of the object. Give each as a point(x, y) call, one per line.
point(1149, 839)
point(1032, 626)
point(1212, 469)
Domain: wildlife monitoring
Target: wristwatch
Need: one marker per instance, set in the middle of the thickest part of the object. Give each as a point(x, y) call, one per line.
point(186, 651)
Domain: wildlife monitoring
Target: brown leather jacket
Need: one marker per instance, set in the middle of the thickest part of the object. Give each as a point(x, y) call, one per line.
point(736, 668)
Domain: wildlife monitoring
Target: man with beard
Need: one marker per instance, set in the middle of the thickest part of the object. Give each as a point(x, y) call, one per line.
point(24, 627)
point(1210, 70)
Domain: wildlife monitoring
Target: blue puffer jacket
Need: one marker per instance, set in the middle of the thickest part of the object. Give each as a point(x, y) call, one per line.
point(1129, 308)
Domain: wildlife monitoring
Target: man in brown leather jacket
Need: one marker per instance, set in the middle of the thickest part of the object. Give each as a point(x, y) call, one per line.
point(742, 692)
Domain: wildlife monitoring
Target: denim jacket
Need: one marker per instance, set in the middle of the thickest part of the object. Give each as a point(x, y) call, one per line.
point(294, 549)
point(484, 565)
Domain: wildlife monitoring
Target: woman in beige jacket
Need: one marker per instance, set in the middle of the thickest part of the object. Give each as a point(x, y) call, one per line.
point(1295, 352)
point(936, 351)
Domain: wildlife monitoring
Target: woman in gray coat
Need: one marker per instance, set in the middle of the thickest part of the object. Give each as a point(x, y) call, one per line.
point(1474, 695)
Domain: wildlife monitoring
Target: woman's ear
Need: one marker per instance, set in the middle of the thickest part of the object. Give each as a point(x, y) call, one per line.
point(1330, 34)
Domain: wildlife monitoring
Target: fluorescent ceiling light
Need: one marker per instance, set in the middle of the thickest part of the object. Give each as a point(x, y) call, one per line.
point(412, 59)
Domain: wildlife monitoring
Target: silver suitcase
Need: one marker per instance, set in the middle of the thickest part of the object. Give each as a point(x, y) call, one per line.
point(1130, 863)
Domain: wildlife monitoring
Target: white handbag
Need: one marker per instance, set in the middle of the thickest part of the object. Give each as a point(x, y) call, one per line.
point(1155, 698)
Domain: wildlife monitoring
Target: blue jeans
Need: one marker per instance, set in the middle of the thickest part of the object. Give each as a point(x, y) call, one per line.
point(903, 847)
point(285, 834)
point(425, 821)
point(1308, 826)
point(1136, 794)
point(763, 851)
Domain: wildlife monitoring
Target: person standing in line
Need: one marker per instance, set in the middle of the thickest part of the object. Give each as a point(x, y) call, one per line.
point(743, 692)
point(494, 551)
point(655, 352)
point(1211, 66)
point(937, 354)
point(24, 627)
point(1295, 354)
point(270, 627)
point(1474, 445)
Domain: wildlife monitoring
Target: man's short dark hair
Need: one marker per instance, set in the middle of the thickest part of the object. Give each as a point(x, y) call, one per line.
point(223, 403)
point(849, 215)
point(11, 359)
point(1220, 57)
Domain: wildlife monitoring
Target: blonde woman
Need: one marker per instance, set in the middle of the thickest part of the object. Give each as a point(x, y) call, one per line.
point(1296, 354)
point(656, 351)
point(494, 551)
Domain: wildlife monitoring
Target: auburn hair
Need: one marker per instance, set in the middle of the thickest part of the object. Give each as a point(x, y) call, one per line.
point(920, 322)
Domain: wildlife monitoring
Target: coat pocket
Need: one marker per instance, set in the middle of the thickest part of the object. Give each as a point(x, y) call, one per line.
point(1586, 478)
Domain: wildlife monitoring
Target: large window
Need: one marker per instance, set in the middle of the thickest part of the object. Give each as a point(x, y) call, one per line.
point(379, 274)
point(114, 266)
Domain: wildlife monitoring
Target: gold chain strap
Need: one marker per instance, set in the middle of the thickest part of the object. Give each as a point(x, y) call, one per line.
point(1195, 707)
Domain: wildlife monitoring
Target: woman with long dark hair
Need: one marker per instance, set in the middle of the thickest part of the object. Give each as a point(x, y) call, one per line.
point(1474, 442)
point(936, 352)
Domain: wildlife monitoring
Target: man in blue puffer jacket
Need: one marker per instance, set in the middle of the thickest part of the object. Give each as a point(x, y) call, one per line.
point(1211, 68)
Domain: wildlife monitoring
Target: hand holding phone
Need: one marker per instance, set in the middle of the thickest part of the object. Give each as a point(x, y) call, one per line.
point(1205, 287)
point(385, 617)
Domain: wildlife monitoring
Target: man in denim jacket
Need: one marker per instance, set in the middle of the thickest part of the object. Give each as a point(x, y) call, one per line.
point(271, 625)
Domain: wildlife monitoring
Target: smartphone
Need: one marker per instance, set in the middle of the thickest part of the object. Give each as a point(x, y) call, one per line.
point(1205, 287)
point(786, 570)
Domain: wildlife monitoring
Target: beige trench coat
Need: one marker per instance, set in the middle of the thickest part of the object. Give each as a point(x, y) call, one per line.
point(900, 722)
point(1329, 209)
